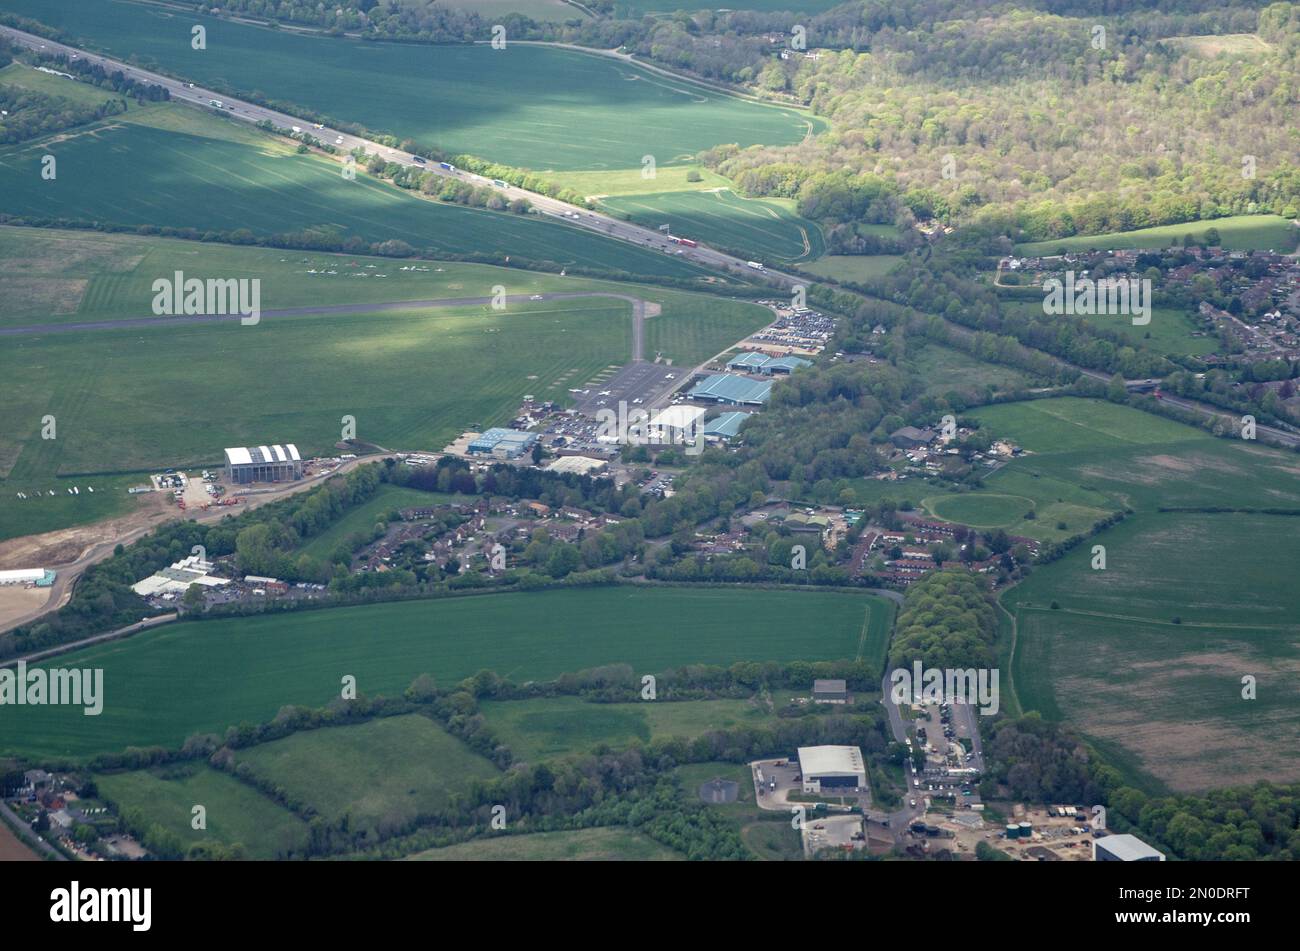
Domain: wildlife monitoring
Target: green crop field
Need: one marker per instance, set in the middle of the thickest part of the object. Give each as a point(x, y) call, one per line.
point(235, 812)
point(174, 395)
point(527, 106)
point(581, 845)
point(163, 685)
point(763, 228)
point(853, 268)
point(1148, 655)
point(177, 166)
point(381, 775)
point(1239, 232)
point(559, 726)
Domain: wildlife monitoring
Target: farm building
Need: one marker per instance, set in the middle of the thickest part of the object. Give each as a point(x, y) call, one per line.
point(1124, 848)
point(830, 691)
point(732, 390)
point(178, 578)
point(41, 577)
point(909, 437)
point(725, 426)
point(263, 464)
point(832, 769)
point(807, 524)
point(502, 443)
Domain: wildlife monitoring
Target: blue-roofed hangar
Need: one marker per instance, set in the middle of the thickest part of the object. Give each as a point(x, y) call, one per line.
point(726, 425)
point(732, 390)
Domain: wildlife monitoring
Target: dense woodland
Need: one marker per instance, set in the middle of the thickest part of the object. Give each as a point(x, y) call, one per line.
point(1019, 113)
point(948, 622)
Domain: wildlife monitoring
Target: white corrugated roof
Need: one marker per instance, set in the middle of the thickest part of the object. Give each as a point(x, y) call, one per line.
point(1128, 848)
point(830, 760)
point(679, 417)
point(242, 456)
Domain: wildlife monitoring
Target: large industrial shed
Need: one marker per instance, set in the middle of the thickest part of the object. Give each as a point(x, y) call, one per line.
point(503, 443)
point(837, 770)
point(1124, 848)
point(263, 464)
point(733, 390)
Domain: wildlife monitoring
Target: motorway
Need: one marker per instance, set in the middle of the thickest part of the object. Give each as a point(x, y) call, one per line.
point(570, 214)
point(346, 142)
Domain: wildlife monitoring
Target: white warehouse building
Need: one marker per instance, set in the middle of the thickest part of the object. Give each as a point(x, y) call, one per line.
point(263, 464)
point(836, 770)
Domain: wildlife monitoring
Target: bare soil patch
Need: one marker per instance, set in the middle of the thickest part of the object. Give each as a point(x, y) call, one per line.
point(17, 601)
point(12, 849)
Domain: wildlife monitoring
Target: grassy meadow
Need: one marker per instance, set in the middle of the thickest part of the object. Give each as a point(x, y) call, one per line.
point(236, 812)
point(560, 726)
point(853, 268)
point(381, 774)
